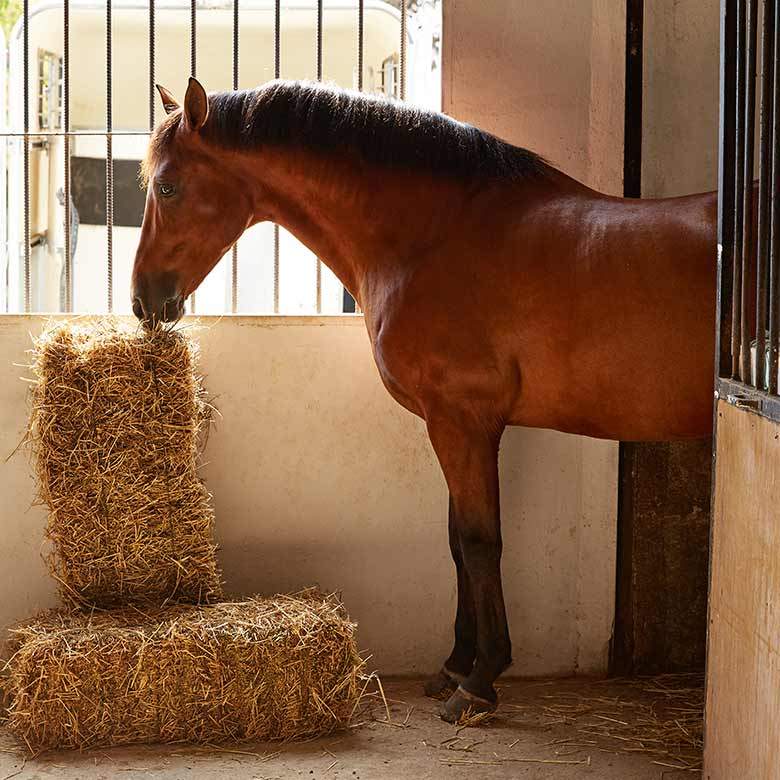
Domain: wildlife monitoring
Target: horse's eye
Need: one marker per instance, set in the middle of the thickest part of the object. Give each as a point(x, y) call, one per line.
point(166, 190)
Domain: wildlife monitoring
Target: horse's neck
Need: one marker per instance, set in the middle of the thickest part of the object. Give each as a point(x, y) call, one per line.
point(362, 221)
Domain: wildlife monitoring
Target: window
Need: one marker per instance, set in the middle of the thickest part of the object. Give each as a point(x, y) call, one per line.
point(34, 276)
point(49, 91)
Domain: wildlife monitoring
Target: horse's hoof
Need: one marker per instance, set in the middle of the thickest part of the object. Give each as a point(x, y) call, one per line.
point(463, 708)
point(442, 685)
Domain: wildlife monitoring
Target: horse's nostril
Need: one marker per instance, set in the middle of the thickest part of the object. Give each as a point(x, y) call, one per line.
point(138, 308)
point(173, 308)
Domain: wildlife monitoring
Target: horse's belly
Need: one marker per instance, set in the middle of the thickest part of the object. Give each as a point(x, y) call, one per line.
point(628, 395)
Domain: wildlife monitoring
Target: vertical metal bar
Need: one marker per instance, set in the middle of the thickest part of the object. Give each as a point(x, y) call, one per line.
point(277, 73)
point(26, 153)
point(774, 240)
point(622, 656)
point(726, 185)
point(748, 280)
point(234, 253)
point(193, 73)
point(764, 168)
point(277, 39)
point(360, 42)
point(632, 122)
point(739, 181)
point(402, 54)
point(152, 44)
point(193, 39)
point(109, 162)
point(319, 40)
point(349, 304)
point(318, 284)
point(67, 260)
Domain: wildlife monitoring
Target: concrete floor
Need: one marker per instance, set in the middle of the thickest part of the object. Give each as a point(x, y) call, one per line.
point(561, 730)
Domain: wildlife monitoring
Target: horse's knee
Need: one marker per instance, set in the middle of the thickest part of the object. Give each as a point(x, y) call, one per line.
point(482, 548)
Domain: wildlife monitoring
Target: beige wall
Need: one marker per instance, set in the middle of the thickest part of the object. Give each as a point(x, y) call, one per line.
point(548, 76)
point(319, 477)
point(680, 111)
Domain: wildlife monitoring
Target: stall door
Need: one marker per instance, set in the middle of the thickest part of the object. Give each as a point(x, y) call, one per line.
point(742, 718)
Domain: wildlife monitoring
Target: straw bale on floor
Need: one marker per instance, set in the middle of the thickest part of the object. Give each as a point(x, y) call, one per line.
point(276, 668)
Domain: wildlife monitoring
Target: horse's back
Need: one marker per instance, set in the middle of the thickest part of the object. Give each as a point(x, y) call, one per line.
point(624, 292)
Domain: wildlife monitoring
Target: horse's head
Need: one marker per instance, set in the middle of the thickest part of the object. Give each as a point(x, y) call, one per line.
point(195, 209)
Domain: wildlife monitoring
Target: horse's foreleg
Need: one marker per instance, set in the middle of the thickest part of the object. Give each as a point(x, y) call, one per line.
point(467, 450)
point(461, 660)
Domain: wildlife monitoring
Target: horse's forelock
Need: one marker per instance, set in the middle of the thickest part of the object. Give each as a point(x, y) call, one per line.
point(158, 143)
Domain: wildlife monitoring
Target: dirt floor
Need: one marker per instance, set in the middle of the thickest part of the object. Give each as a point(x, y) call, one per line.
point(561, 730)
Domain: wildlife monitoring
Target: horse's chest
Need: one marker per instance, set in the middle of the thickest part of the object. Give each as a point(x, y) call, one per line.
point(395, 364)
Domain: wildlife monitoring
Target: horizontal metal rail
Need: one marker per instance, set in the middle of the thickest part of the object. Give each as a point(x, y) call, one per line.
point(749, 215)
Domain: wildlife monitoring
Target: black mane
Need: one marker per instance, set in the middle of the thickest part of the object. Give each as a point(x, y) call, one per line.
point(328, 119)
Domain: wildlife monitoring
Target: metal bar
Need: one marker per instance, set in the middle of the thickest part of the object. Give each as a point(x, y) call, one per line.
point(68, 246)
point(152, 43)
point(277, 39)
point(193, 73)
point(67, 259)
point(234, 252)
point(747, 190)
point(277, 73)
point(774, 231)
point(193, 39)
point(319, 40)
point(361, 42)
point(764, 169)
point(632, 146)
point(318, 283)
point(747, 397)
point(402, 54)
point(109, 163)
point(235, 44)
point(26, 153)
point(349, 304)
point(622, 658)
point(74, 133)
point(739, 179)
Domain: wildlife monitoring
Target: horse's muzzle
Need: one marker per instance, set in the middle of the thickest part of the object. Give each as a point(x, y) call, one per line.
point(153, 313)
point(157, 298)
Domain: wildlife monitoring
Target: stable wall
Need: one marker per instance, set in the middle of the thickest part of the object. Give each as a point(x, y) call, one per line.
point(548, 76)
point(319, 477)
point(742, 727)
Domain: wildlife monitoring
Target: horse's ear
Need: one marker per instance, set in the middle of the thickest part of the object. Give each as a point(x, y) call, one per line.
point(170, 104)
point(196, 105)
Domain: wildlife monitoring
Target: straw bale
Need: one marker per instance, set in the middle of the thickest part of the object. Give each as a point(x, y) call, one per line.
point(265, 668)
point(116, 417)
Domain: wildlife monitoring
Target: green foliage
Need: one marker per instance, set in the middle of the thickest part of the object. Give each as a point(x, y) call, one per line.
point(10, 11)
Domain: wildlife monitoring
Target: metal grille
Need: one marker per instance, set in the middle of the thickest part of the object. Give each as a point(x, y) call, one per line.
point(30, 140)
point(749, 215)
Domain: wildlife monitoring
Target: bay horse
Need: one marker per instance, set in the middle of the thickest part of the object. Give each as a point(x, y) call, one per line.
point(496, 290)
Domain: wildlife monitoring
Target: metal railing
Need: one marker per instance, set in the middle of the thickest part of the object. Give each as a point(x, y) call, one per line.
point(749, 215)
point(67, 133)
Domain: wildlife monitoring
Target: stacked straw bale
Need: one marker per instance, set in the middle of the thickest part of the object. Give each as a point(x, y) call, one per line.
point(279, 668)
point(115, 425)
